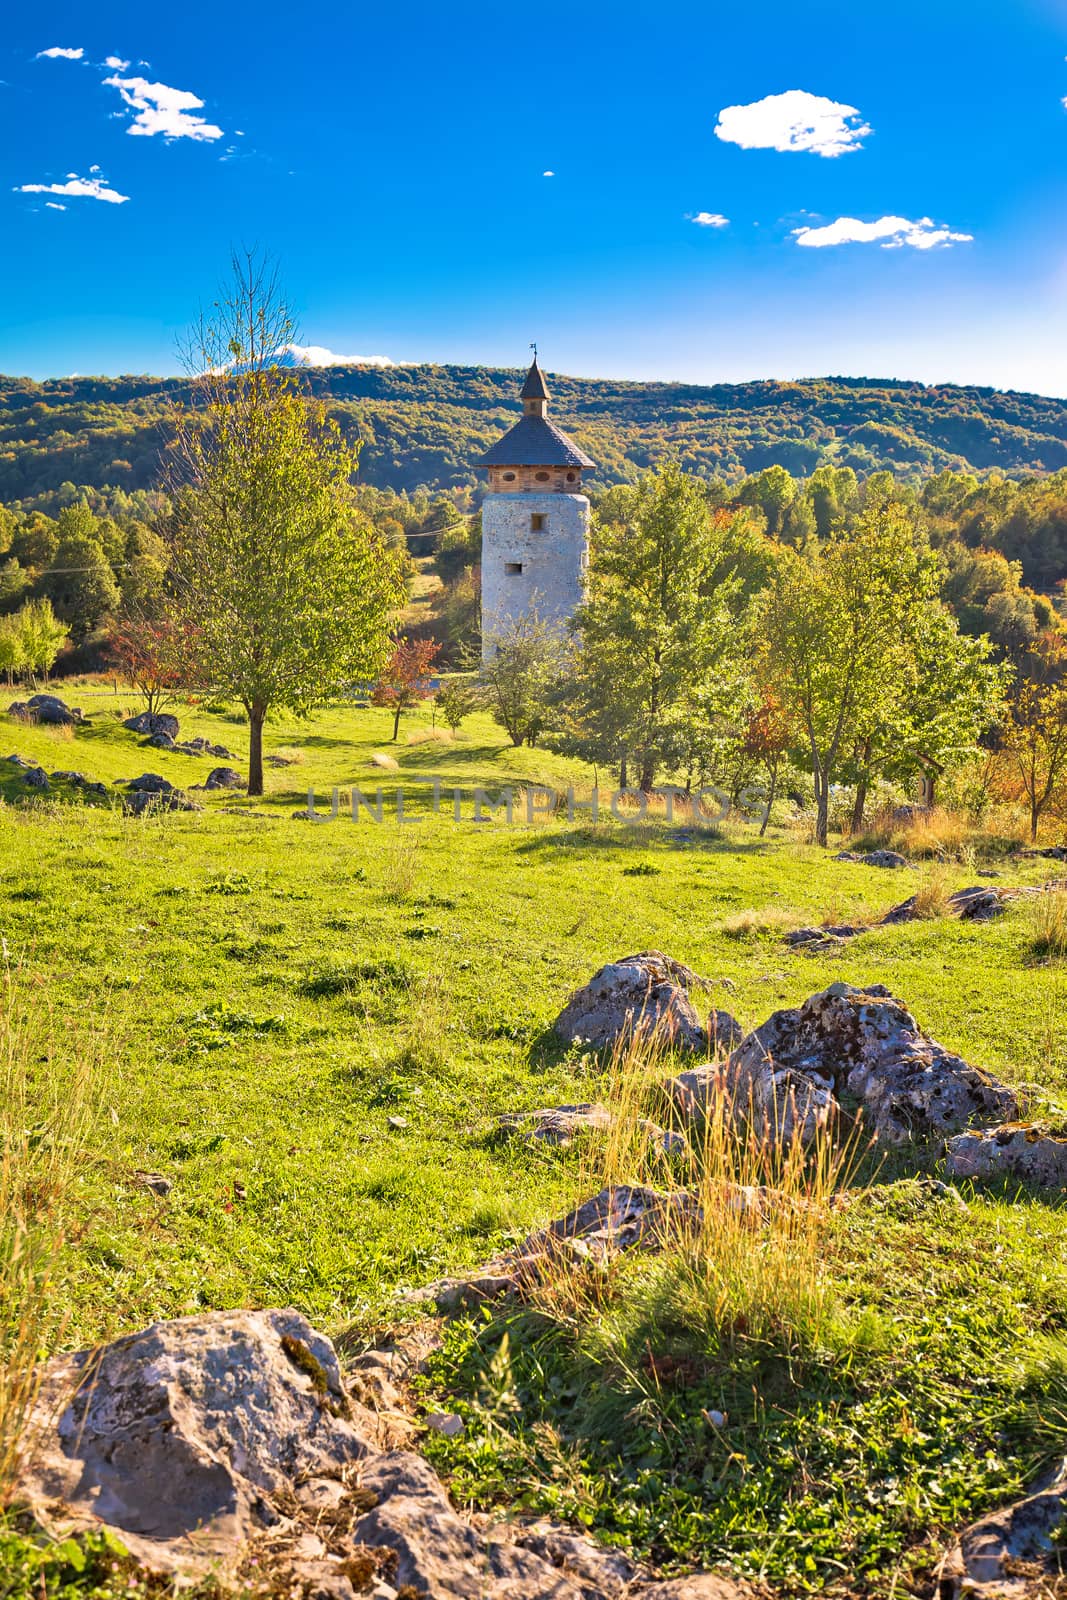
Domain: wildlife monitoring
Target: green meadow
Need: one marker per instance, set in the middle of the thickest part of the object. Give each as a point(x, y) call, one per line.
point(310, 1030)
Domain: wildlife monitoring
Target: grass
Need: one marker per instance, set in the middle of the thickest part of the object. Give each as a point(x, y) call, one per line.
point(278, 990)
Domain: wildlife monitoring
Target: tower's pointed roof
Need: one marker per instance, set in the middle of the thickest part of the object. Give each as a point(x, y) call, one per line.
point(535, 387)
point(534, 441)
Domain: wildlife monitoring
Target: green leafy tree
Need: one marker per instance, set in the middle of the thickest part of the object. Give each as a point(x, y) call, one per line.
point(521, 678)
point(42, 635)
point(662, 631)
point(456, 700)
point(12, 657)
point(836, 626)
point(81, 586)
point(946, 693)
point(288, 586)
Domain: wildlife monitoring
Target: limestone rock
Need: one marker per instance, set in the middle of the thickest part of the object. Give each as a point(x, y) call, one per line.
point(437, 1552)
point(620, 1217)
point(862, 1041)
point(153, 722)
point(189, 1439)
point(149, 783)
point(874, 858)
point(645, 994)
point(224, 778)
point(995, 1559)
point(1017, 1149)
point(160, 741)
point(46, 708)
point(559, 1126)
point(36, 778)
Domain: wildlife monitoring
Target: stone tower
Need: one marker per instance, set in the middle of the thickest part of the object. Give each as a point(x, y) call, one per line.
point(535, 520)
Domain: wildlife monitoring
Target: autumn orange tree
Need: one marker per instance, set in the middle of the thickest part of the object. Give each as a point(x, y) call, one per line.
point(405, 679)
point(767, 738)
point(158, 658)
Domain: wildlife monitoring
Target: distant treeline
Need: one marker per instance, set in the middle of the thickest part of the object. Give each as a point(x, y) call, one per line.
point(992, 464)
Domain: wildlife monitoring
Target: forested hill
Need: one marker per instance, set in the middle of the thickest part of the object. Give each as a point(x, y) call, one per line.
point(424, 425)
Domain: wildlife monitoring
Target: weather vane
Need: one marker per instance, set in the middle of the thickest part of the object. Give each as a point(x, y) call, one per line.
point(533, 347)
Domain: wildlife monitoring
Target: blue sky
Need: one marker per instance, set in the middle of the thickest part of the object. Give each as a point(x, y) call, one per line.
point(393, 159)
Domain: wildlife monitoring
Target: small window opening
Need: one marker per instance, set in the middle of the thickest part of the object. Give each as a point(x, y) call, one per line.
point(509, 477)
point(542, 477)
point(513, 567)
point(570, 477)
point(537, 522)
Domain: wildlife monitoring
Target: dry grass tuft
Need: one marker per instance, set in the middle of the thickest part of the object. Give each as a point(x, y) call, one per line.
point(429, 736)
point(745, 1255)
point(931, 897)
point(1050, 924)
point(750, 924)
point(383, 762)
point(46, 1089)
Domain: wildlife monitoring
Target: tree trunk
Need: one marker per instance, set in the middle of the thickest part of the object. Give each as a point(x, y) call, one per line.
point(396, 725)
point(624, 773)
point(648, 772)
point(859, 805)
point(1035, 818)
point(822, 809)
point(256, 717)
point(770, 800)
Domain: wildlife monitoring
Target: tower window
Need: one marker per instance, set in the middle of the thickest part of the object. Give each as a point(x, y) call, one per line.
point(509, 477)
point(542, 477)
point(570, 477)
point(513, 568)
point(537, 522)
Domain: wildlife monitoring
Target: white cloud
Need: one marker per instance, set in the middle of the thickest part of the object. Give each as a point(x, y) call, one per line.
point(548, 174)
point(116, 63)
point(710, 219)
point(892, 233)
point(77, 188)
point(161, 109)
point(59, 53)
point(54, 205)
point(317, 355)
point(795, 120)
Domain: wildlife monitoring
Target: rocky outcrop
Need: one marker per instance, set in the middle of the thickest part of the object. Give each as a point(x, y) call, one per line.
point(980, 903)
point(144, 802)
point(621, 1217)
point(859, 1042)
point(1028, 1151)
point(229, 1443)
point(152, 723)
point(78, 780)
point(1014, 1553)
point(647, 995)
point(36, 778)
point(46, 708)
